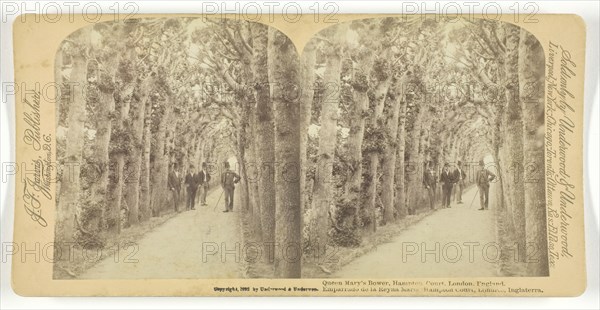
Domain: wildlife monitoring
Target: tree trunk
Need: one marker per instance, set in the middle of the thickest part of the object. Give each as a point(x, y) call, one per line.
point(454, 149)
point(360, 107)
point(504, 220)
point(285, 74)
point(145, 210)
point(70, 187)
point(420, 198)
point(159, 174)
point(170, 155)
point(134, 155)
point(118, 139)
point(265, 135)
point(531, 88)
point(400, 199)
point(99, 188)
point(187, 142)
point(389, 156)
point(160, 167)
point(308, 60)
point(253, 164)
point(198, 151)
point(117, 194)
point(243, 151)
point(414, 169)
point(322, 190)
point(380, 93)
point(514, 132)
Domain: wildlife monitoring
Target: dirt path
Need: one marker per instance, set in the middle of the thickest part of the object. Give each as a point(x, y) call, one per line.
point(190, 245)
point(438, 246)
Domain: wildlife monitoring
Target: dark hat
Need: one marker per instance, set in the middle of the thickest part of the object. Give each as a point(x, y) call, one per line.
point(459, 163)
point(446, 165)
point(481, 163)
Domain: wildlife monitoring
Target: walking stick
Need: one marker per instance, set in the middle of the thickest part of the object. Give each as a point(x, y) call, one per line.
point(216, 204)
point(472, 200)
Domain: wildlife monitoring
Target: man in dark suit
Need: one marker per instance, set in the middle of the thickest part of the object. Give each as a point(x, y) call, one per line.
point(484, 177)
point(204, 178)
point(430, 182)
point(447, 178)
point(461, 176)
point(228, 181)
point(191, 181)
point(174, 184)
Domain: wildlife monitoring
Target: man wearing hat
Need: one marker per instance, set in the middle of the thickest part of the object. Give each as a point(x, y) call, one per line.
point(461, 175)
point(174, 184)
point(447, 179)
point(429, 181)
point(191, 180)
point(228, 181)
point(484, 177)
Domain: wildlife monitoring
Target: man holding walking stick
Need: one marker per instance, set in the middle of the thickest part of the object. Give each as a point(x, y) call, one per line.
point(429, 181)
point(484, 177)
point(447, 180)
point(228, 181)
point(204, 177)
point(460, 184)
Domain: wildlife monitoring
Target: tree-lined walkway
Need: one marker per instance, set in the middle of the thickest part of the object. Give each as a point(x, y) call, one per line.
point(460, 227)
point(377, 105)
point(175, 249)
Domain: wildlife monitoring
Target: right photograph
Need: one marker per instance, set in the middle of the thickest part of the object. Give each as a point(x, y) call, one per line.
point(428, 133)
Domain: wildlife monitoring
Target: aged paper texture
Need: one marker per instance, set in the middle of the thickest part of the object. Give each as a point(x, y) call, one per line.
point(354, 155)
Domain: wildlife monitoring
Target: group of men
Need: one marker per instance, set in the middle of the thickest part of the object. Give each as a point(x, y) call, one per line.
point(453, 178)
point(193, 181)
point(199, 180)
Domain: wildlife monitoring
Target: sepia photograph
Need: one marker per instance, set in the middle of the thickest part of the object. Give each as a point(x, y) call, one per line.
point(304, 149)
point(385, 148)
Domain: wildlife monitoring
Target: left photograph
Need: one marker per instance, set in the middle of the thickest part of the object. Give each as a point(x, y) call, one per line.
point(150, 130)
